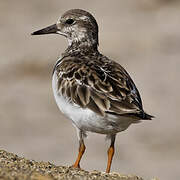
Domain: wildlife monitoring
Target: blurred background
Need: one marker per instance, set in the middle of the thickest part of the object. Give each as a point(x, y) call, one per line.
point(142, 35)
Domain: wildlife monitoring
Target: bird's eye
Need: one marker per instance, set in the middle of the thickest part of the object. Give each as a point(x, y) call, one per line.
point(69, 21)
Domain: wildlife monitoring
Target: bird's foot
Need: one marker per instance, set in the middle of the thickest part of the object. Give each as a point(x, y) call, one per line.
point(76, 166)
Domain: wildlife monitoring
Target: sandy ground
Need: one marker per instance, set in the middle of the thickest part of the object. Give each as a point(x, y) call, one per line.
point(13, 167)
point(142, 35)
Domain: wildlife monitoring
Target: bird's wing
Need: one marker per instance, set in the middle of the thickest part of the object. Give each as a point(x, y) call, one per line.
point(102, 86)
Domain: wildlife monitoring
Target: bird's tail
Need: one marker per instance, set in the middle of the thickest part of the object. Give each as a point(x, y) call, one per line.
point(146, 116)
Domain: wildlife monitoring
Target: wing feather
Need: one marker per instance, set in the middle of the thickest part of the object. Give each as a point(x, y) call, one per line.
point(102, 103)
point(84, 94)
point(104, 87)
point(94, 107)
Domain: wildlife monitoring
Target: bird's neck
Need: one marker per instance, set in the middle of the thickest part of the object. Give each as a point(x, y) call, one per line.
point(82, 41)
point(84, 46)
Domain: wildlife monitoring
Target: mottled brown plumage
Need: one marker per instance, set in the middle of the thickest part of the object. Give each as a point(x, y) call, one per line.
point(99, 82)
point(95, 92)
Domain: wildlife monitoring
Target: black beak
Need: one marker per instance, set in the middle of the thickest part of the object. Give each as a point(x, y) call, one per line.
point(48, 30)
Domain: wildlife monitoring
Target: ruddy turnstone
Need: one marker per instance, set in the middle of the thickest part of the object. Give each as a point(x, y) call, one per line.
point(95, 92)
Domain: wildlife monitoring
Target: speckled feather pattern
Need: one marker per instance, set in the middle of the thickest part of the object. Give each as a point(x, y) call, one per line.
point(97, 83)
point(94, 82)
point(89, 84)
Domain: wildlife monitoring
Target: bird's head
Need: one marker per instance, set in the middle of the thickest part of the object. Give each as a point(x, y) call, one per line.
point(77, 25)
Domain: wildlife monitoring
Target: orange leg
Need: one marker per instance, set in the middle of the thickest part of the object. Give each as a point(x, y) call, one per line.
point(110, 154)
point(82, 149)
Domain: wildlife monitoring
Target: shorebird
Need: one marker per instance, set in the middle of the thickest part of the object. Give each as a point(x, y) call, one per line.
point(95, 92)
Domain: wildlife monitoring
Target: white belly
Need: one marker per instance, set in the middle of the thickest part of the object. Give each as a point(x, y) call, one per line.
point(85, 119)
